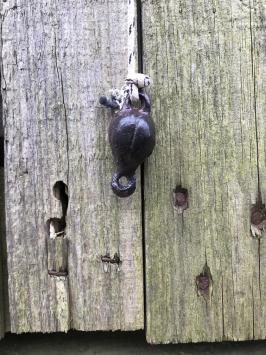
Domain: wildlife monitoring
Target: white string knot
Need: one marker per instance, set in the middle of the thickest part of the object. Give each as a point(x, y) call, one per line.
point(129, 91)
point(135, 82)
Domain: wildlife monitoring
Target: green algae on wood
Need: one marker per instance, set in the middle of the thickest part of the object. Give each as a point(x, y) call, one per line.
point(207, 60)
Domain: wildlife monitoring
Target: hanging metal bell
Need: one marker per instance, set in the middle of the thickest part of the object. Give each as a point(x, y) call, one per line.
point(132, 139)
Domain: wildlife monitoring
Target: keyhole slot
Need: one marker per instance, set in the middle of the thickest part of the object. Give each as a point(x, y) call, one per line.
point(60, 191)
point(57, 242)
point(57, 225)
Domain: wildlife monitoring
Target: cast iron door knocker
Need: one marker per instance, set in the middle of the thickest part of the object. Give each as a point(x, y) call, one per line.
point(132, 139)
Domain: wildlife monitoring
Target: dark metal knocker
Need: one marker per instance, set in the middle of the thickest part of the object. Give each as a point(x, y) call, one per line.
point(132, 139)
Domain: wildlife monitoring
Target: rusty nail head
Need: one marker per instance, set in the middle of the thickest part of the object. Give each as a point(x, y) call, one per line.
point(180, 198)
point(203, 282)
point(257, 217)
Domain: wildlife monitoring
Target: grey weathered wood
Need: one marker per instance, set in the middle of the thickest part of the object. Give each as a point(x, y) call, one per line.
point(208, 64)
point(2, 213)
point(3, 266)
point(2, 283)
point(258, 40)
point(58, 58)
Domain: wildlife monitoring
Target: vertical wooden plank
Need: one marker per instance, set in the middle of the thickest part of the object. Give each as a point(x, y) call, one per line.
point(258, 40)
point(2, 319)
point(35, 159)
point(204, 270)
point(3, 266)
point(58, 58)
point(2, 233)
point(99, 223)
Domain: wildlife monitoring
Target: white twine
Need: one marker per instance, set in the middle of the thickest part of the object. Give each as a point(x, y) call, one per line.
point(132, 51)
point(134, 80)
point(131, 89)
point(132, 37)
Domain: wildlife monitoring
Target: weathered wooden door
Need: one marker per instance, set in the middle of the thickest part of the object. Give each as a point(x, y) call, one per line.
point(58, 57)
point(205, 275)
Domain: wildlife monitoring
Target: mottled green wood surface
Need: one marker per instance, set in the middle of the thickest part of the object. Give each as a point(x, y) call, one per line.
point(208, 63)
point(58, 58)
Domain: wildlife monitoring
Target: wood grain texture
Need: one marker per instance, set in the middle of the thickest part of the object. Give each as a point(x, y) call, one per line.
point(3, 259)
point(58, 58)
point(2, 253)
point(208, 62)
